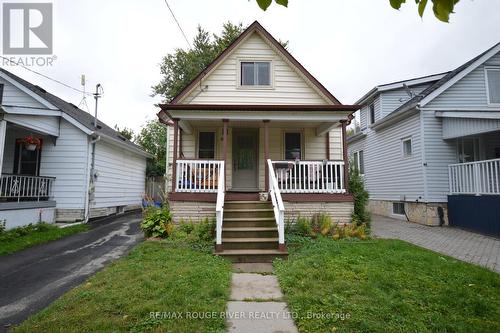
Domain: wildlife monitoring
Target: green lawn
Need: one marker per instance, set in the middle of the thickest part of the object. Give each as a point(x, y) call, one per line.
point(386, 286)
point(21, 238)
point(154, 277)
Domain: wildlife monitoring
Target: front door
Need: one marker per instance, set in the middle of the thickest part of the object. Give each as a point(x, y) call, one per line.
point(245, 159)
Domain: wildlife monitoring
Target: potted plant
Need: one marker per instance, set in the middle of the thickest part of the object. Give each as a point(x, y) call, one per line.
point(31, 143)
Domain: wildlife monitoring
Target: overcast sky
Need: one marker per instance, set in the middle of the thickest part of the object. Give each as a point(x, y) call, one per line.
point(349, 46)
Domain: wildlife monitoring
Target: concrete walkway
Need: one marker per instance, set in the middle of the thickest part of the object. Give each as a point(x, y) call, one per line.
point(33, 278)
point(460, 244)
point(256, 303)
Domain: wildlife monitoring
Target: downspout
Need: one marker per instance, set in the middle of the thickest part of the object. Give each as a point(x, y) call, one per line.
point(90, 183)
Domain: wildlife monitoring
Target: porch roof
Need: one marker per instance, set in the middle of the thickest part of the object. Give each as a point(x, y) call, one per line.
point(328, 116)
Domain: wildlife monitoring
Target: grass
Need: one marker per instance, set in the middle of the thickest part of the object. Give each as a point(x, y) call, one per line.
point(155, 277)
point(386, 286)
point(23, 237)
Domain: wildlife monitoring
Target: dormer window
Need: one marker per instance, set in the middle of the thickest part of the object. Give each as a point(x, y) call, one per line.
point(493, 85)
point(255, 73)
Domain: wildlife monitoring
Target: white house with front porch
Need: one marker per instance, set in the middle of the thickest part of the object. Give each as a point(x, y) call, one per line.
point(55, 165)
point(255, 139)
point(429, 148)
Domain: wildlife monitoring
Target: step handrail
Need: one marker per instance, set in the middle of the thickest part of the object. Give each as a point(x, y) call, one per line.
point(278, 206)
point(219, 206)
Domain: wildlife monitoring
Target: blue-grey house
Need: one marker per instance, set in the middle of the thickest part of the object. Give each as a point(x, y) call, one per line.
point(429, 148)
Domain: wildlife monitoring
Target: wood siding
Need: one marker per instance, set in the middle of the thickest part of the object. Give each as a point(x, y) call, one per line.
point(121, 177)
point(221, 86)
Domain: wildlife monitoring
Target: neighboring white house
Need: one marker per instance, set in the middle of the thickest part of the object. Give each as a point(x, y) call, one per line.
point(61, 179)
point(425, 141)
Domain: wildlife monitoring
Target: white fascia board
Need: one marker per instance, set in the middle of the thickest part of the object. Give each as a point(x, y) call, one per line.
point(261, 115)
point(460, 75)
point(31, 111)
point(27, 91)
point(468, 114)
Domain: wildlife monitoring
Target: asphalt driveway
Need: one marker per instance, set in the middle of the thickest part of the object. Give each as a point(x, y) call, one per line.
point(31, 279)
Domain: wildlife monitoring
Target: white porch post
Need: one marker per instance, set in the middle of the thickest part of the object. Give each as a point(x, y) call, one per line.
point(3, 129)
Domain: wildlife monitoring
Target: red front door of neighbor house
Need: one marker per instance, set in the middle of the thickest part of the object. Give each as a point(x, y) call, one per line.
point(245, 159)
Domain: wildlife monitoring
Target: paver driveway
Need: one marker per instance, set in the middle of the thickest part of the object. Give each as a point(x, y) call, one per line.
point(460, 244)
point(31, 279)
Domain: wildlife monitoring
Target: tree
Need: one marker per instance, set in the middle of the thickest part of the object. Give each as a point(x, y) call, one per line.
point(442, 8)
point(182, 66)
point(153, 138)
point(127, 133)
point(357, 188)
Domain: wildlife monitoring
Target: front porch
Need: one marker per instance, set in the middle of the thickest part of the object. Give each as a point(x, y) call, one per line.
point(253, 167)
point(25, 192)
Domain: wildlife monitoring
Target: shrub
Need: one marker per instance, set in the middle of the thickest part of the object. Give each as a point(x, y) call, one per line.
point(357, 187)
point(157, 222)
point(3, 227)
point(350, 231)
point(303, 226)
point(204, 231)
point(321, 223)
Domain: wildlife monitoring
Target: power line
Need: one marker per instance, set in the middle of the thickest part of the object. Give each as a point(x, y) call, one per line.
point(178, 24)
point(47, 77)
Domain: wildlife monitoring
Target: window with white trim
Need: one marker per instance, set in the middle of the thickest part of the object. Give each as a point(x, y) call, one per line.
point(407, 147)
point(206, 145)
point(293, 146)
point(255, 73)
point(359, 161)
point(493, 84)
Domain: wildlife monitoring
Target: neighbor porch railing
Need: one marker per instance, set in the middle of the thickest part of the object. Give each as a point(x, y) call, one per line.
point(310, 176)
point(278, 206)
point(219, 205)
point(198, 175)
point(21, 187)
point(481, 177)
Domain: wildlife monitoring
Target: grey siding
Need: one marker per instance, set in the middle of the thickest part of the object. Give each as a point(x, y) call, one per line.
point(364, 113)
point(67, 161)
point(15, 97)
point(391, 100)
point(457, 127)
point(469, 92)
point(439, 153)
point(389, 175)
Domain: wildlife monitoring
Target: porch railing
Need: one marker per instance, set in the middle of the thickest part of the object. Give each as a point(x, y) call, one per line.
point(310, 176)
point(278, 206)
point(198, 175)
point(482, 177)
point(219, 206)
point(22, 188)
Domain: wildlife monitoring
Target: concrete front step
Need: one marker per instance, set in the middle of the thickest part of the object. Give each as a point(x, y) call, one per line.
point(250, 243)
point(249, 232)
point(246, 255)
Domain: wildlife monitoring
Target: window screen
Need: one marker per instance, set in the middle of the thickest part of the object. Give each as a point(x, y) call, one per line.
point(407, 149)
point(493, 85)
point(398, 208)
point(255, 73)
point(372, 114)
point(206, 145)
point(292, 146)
